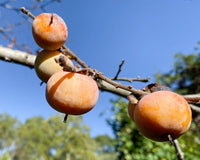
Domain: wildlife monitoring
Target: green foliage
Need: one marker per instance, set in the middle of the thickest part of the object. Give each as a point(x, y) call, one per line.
point(131, 145)
point(6, 156)
point(8, 127)
point(55, 139)
point(105, 150)
point(184, 78)
point(40, 139)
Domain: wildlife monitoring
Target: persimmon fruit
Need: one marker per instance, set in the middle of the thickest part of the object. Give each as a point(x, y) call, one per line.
point(162, 113)
point(71, 93)
point(49, 31)
point(45, 64)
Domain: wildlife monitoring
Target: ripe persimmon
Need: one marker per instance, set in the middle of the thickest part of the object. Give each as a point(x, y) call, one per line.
point(49, 31)
point(45, 64)
point(71, 93)
point(162, 113)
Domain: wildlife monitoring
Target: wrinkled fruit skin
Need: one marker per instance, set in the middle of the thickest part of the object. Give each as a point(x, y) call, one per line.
point(45, 64)
point(161, 113)
point(49, 31)
point(71, 93)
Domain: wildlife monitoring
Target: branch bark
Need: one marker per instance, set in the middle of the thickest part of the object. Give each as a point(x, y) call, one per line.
point(17, 56)
point(179, 152)
point(26, 59)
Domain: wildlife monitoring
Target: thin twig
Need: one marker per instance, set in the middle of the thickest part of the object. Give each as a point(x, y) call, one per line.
point(179, 152)
point(97, 75)
point(119, 70)
point(132, 79)
point(135, 92)
point(27, 12)
point(72, 56)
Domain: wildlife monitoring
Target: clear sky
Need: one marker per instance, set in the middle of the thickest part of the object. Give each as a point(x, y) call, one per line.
point(145, 33)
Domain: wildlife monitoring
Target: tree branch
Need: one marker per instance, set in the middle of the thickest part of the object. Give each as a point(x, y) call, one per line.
point(131, 79)
point(26, 59)
point(17, 56)
point(179, 152)
point(28, 13)
point(195, 108)
point(193, 98)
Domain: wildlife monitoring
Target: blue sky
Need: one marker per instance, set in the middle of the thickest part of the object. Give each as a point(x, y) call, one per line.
point(145, 33)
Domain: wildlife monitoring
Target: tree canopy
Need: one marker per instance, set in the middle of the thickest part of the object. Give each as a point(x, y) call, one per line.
point(39, 139)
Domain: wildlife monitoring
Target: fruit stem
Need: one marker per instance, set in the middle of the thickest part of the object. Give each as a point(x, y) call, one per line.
point(170, 139)
point(179, 152)
point(51, 21)
point(41, 83)
point(65, 118)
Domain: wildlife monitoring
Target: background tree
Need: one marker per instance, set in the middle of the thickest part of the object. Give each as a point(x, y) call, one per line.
point(8, 131)
point(49, 139)
point(106, 149)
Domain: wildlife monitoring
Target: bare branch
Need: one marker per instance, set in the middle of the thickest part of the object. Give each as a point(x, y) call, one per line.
point(16, 56)
point(72, 56)
point(193, 98)
point(195, 108)
point(100, 77)
point(97, 75)
point(28, 13)
point(132, 79)
point(119, 70)
point(135, 92)
point(179, 152)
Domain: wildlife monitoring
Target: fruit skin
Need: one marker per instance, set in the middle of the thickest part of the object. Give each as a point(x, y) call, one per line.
point(45, 64)
point(71, 93)
point(49, 31)
point(161, 113)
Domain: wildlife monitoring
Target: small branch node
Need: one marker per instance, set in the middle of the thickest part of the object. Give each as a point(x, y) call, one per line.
point(130, 87)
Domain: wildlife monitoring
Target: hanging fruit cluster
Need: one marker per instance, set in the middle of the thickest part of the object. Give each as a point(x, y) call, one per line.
point(67, 92)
